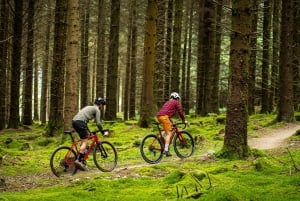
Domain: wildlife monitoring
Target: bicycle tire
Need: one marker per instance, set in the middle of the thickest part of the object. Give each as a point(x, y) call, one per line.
point(151, 149)
point(58, 163)
point(105, 156)
point(184, 147)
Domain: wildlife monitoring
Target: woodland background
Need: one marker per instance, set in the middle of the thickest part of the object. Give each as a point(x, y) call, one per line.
point(57, 56)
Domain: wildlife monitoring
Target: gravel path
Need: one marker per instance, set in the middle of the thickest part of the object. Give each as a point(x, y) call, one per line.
point(272, 138)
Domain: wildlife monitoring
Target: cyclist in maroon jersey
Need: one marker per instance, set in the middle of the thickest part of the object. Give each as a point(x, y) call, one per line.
point(164, 116)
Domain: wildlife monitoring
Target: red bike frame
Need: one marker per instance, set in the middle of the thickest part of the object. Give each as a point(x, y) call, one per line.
point(76, 146)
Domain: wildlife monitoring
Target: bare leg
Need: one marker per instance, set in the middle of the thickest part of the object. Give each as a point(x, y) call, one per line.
point(78, 162)
point(168, 140)
point(83, 145)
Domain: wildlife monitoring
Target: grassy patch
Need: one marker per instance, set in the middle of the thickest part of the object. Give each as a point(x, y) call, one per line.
point(266, 175)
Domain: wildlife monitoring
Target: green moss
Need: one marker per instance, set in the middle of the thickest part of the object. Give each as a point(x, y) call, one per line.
point(174, 177)
point(202, 177)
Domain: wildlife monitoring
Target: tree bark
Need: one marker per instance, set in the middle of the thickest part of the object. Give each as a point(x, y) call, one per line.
point(112, 65)
point(14, 118)
point(27, 114)
point(208, 56)
point(36, 90)
point(167, 74)
point(159, 72)
point(252, 66)
point(84, 89)
point(130, 77)
point(296, 58)
point(286, 104)
point(184, 77)
point(265, 95)
point(215, 105)
point(176, 51)
point(235, 141)
point(100, 77)
point(200, 61)
point(186, 102)
point(149, 62)
point(3, 62)
point(55, 124)
point(45, 71)
point(72, 70)
point(275, 61)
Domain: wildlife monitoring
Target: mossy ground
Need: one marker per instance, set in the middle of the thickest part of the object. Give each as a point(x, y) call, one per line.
point(266, 175)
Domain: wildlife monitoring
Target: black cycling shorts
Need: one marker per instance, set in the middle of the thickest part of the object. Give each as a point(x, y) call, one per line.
point(81, 128)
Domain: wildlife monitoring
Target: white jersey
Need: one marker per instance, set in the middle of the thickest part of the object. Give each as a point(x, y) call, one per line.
point(87, 113)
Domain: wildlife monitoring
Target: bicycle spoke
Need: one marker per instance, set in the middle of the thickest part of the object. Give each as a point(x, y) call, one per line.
point(151, 149)
point(105, 156)
point(62, 161)
point(184, 144)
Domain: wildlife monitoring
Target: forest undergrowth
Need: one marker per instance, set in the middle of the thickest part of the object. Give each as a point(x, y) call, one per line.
point(269, 174)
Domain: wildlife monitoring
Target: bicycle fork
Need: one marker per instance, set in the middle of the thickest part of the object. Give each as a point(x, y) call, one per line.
point(102, 151)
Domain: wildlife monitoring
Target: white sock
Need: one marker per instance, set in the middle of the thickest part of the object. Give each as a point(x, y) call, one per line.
point(166, 147)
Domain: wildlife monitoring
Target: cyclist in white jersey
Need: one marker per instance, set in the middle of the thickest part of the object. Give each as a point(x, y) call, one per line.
point(80, 121)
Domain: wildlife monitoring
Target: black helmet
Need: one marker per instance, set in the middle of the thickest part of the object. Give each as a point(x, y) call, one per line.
point(100, 101)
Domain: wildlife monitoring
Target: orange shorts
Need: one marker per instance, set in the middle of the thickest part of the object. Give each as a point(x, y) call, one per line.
point(166, 122)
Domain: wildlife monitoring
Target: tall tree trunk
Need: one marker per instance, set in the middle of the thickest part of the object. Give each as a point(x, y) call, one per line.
point(168, 50)
point(3, 62)
point(130, 74)
point(252, 66)
point(184, 55)
point(200, 61)
point(275, 60)
point(112, 65)
point(72, 70)
point(27, 114)
point(296, 58)
point(84, 90)
point(209, 39)
point(176, 51)
point(100, 77)
point(133, 75)
point(45, 67)
point(186, 102)
point(36, 90)
point(126, 100)
point(55, 124)
point(216, 70)
point(286, 104)
point(149, 62)
point(159, 71)
point(265, 95)
point(235, 141)
point(14, 117)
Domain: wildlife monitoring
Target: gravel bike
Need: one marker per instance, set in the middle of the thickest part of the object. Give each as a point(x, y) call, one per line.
point(62, 160)
point(152, 145)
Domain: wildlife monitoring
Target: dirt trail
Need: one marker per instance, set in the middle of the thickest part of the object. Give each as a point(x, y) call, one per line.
point(273, 138)
point(265, 139)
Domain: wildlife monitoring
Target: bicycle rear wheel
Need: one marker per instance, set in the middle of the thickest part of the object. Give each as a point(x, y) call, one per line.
point(151, 149)
point(184, 145)
point(105, 156)
point(62, 161)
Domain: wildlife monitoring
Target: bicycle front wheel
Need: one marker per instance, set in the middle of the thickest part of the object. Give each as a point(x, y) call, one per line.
point(105, 156)
point(62, 161)
point(151, 149)
point(184, 145)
